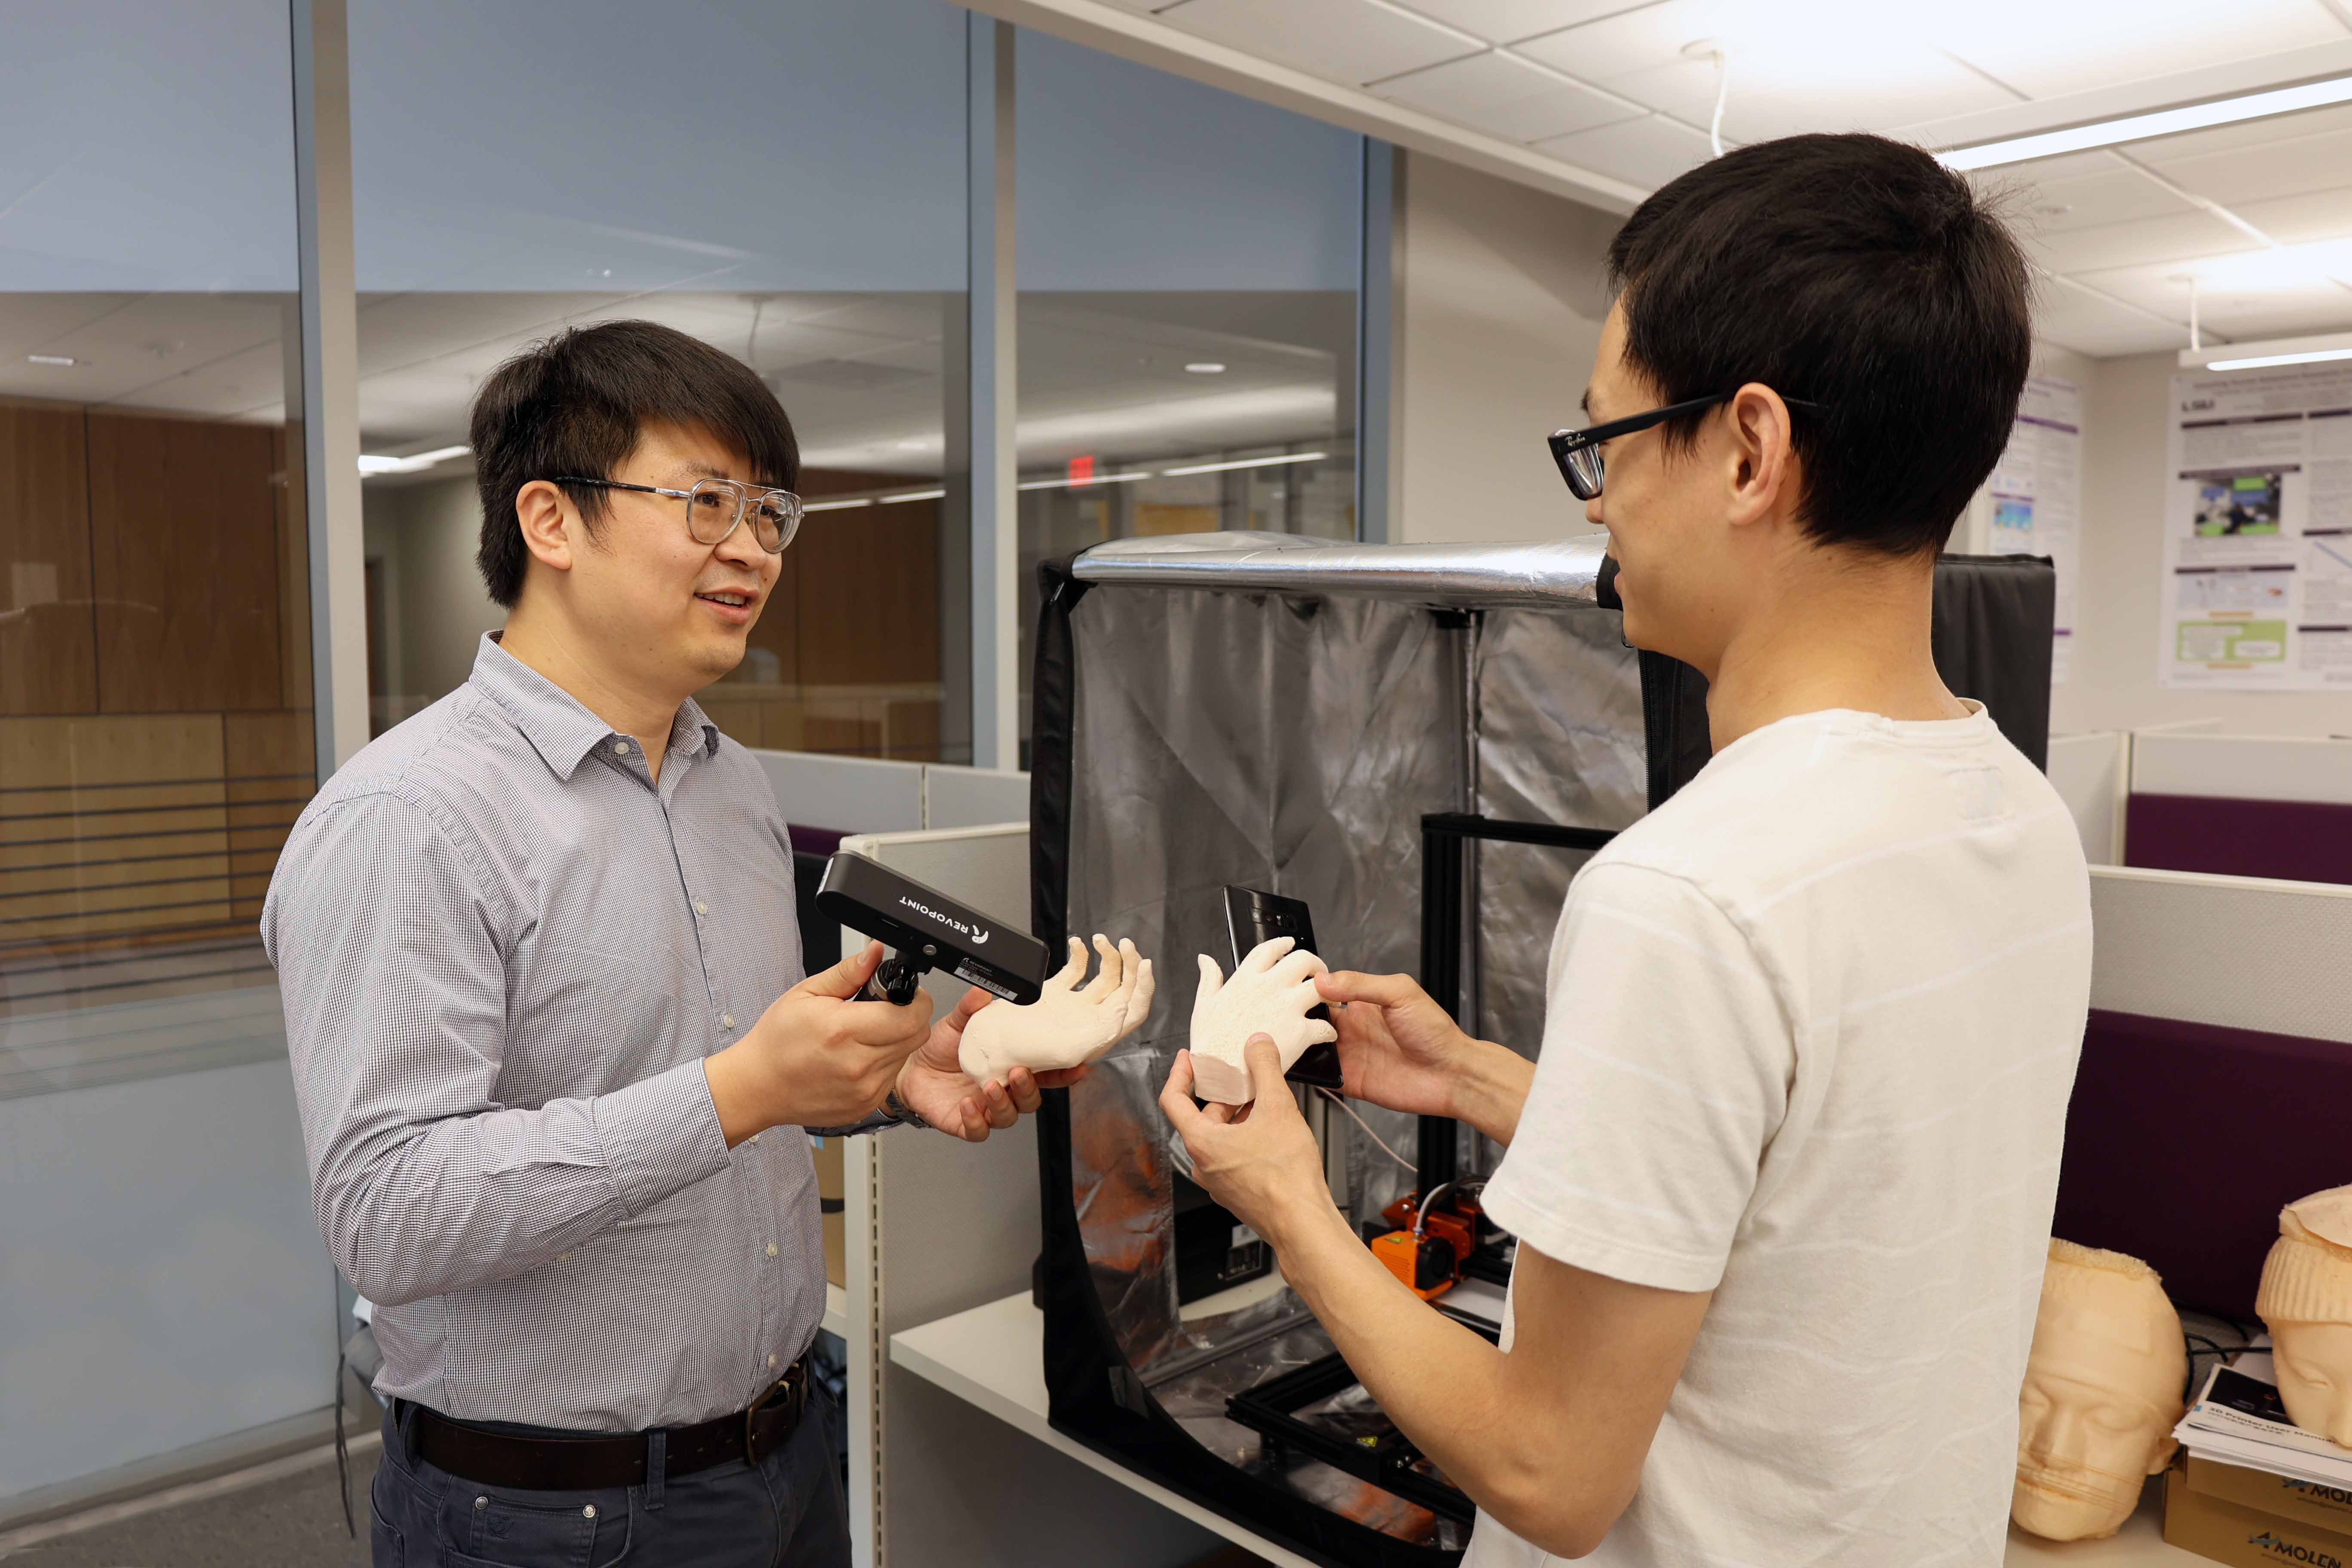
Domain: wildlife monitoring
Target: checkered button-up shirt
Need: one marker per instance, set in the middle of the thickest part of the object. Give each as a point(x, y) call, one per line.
point(505, 952)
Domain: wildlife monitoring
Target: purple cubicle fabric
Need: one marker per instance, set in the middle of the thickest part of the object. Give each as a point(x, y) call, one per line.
point(2299, 840)
point(816, 840)
point(2184, 1140)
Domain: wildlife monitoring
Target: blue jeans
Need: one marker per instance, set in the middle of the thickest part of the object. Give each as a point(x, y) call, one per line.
point(787, 1512)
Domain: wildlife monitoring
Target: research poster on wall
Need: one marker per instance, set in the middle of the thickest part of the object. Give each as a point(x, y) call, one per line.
point(2036, 491)
point(2258, 531)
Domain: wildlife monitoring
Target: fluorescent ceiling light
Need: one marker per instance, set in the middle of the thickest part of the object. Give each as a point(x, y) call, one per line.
point(1205, 367)
point(1247, 463)
point(2156, 122)
point(2260, 360)
point(1081, 484)
point(372, 464)
point(836, 505)
point(2270, 353)
point(911, 495)
point(51, 359)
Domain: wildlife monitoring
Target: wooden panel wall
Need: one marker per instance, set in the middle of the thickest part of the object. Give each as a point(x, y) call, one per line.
point(854, 626)
point(156, 741)
point(185, 546)
point(870, 596)
point(48, 650)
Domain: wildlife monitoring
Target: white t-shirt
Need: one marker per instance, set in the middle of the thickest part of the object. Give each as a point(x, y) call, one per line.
point(1811, 1030)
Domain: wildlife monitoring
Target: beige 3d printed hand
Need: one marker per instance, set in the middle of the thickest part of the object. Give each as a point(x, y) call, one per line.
point(2307, 1300)
point(1064, 1027)
point(1270, 994)
point(2102, 1391)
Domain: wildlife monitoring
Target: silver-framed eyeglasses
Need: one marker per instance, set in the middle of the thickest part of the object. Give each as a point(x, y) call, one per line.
point(716, 508)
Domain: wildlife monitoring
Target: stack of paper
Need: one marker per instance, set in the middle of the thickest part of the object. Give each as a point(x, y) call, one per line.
point(2239, 1420)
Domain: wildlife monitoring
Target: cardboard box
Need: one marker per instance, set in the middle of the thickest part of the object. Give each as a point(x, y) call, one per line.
point(2228, 1532)
point(2329, 1507)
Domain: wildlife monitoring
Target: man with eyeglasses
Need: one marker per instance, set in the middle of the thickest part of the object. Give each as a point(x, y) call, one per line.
point(551, 1041)
point(1782, 1175)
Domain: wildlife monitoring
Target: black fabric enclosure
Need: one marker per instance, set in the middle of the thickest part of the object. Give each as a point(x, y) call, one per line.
point(1188, 734)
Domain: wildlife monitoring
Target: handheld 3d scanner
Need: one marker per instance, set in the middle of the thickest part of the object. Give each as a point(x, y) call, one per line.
point(926, 930)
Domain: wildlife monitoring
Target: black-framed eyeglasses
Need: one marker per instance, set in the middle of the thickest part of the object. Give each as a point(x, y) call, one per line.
point(1577, 452)
point(716, 508)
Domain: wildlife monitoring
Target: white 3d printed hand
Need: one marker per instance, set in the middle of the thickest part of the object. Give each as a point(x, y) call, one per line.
point(1064, 1027)
point(1269, 994)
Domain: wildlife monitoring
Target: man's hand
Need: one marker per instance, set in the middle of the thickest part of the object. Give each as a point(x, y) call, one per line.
point(816, 1058)
point(1398, 1048)
point(934, 1086)
point(1258, 1160)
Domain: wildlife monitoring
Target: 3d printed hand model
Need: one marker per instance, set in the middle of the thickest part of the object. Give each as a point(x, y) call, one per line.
point(1270, 994)
point(1064, 1027)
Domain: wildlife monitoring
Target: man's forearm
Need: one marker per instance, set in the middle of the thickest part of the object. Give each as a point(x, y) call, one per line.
point(1443, 1385)
point(1491, 1089)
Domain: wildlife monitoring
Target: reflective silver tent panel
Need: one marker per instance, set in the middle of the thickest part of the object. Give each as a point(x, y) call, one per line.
point(1280, 712)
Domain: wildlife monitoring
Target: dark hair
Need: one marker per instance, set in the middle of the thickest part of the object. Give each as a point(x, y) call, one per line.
point(1856, 273)
point(576, 403)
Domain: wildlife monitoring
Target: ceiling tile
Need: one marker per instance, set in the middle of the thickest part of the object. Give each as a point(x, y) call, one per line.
point(2113, 194)
point(1769, 97)
point(1644, 153)
point(1505, 95)
point(1836, 68)
point(1507, 21)
point(2072, 317)
point(2234, 311)
point(1630, 41)
point(2181, 238)
point(2301, 218)
point(2043, 50)
point(1346, 41)
point(2256, 173)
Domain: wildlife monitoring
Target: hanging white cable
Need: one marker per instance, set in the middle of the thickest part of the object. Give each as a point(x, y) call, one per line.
point(1722, 95)
point(1367, 1126)
point(1719, 51)
point(2196, 338)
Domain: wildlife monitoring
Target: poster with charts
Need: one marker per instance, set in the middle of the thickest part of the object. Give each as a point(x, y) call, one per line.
point(2257, 590)
point(2036, 491)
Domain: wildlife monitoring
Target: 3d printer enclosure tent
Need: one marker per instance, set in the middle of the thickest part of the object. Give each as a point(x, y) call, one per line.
point(1280, 714)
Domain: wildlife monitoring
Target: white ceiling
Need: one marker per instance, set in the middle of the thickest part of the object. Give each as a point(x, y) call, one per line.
point(1611, 88)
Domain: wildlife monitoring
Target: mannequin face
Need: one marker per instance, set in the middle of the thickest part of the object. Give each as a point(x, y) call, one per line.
point(2101, 1395)
point(2315, 1376)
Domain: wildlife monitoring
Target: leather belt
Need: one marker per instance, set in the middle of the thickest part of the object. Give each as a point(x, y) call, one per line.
point(589, 1463)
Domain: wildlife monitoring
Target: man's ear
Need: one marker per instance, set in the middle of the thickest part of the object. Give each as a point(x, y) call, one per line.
point(1764, 480)
point(551, 527)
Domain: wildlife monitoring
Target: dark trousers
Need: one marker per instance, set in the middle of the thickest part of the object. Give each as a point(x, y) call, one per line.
point(787, 1512)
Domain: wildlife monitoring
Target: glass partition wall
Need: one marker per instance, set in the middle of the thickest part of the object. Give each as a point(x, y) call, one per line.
point(1189, 262)
point(785, 182)
point(160, 1282)
point(784, 179)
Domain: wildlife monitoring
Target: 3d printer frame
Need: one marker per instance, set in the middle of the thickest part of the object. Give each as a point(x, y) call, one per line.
point(1388, 1459)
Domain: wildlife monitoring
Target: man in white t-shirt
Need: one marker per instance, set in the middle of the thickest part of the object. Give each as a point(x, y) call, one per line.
point(1782, 1175)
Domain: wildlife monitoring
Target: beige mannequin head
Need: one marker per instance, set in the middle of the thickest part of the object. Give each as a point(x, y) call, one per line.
point(2307, 1300)
point(2102, 1390)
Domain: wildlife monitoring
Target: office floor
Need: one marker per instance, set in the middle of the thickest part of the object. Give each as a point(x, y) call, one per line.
point(293, 1521)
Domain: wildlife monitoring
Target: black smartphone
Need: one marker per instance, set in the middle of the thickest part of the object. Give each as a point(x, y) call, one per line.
point(1250, 918)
